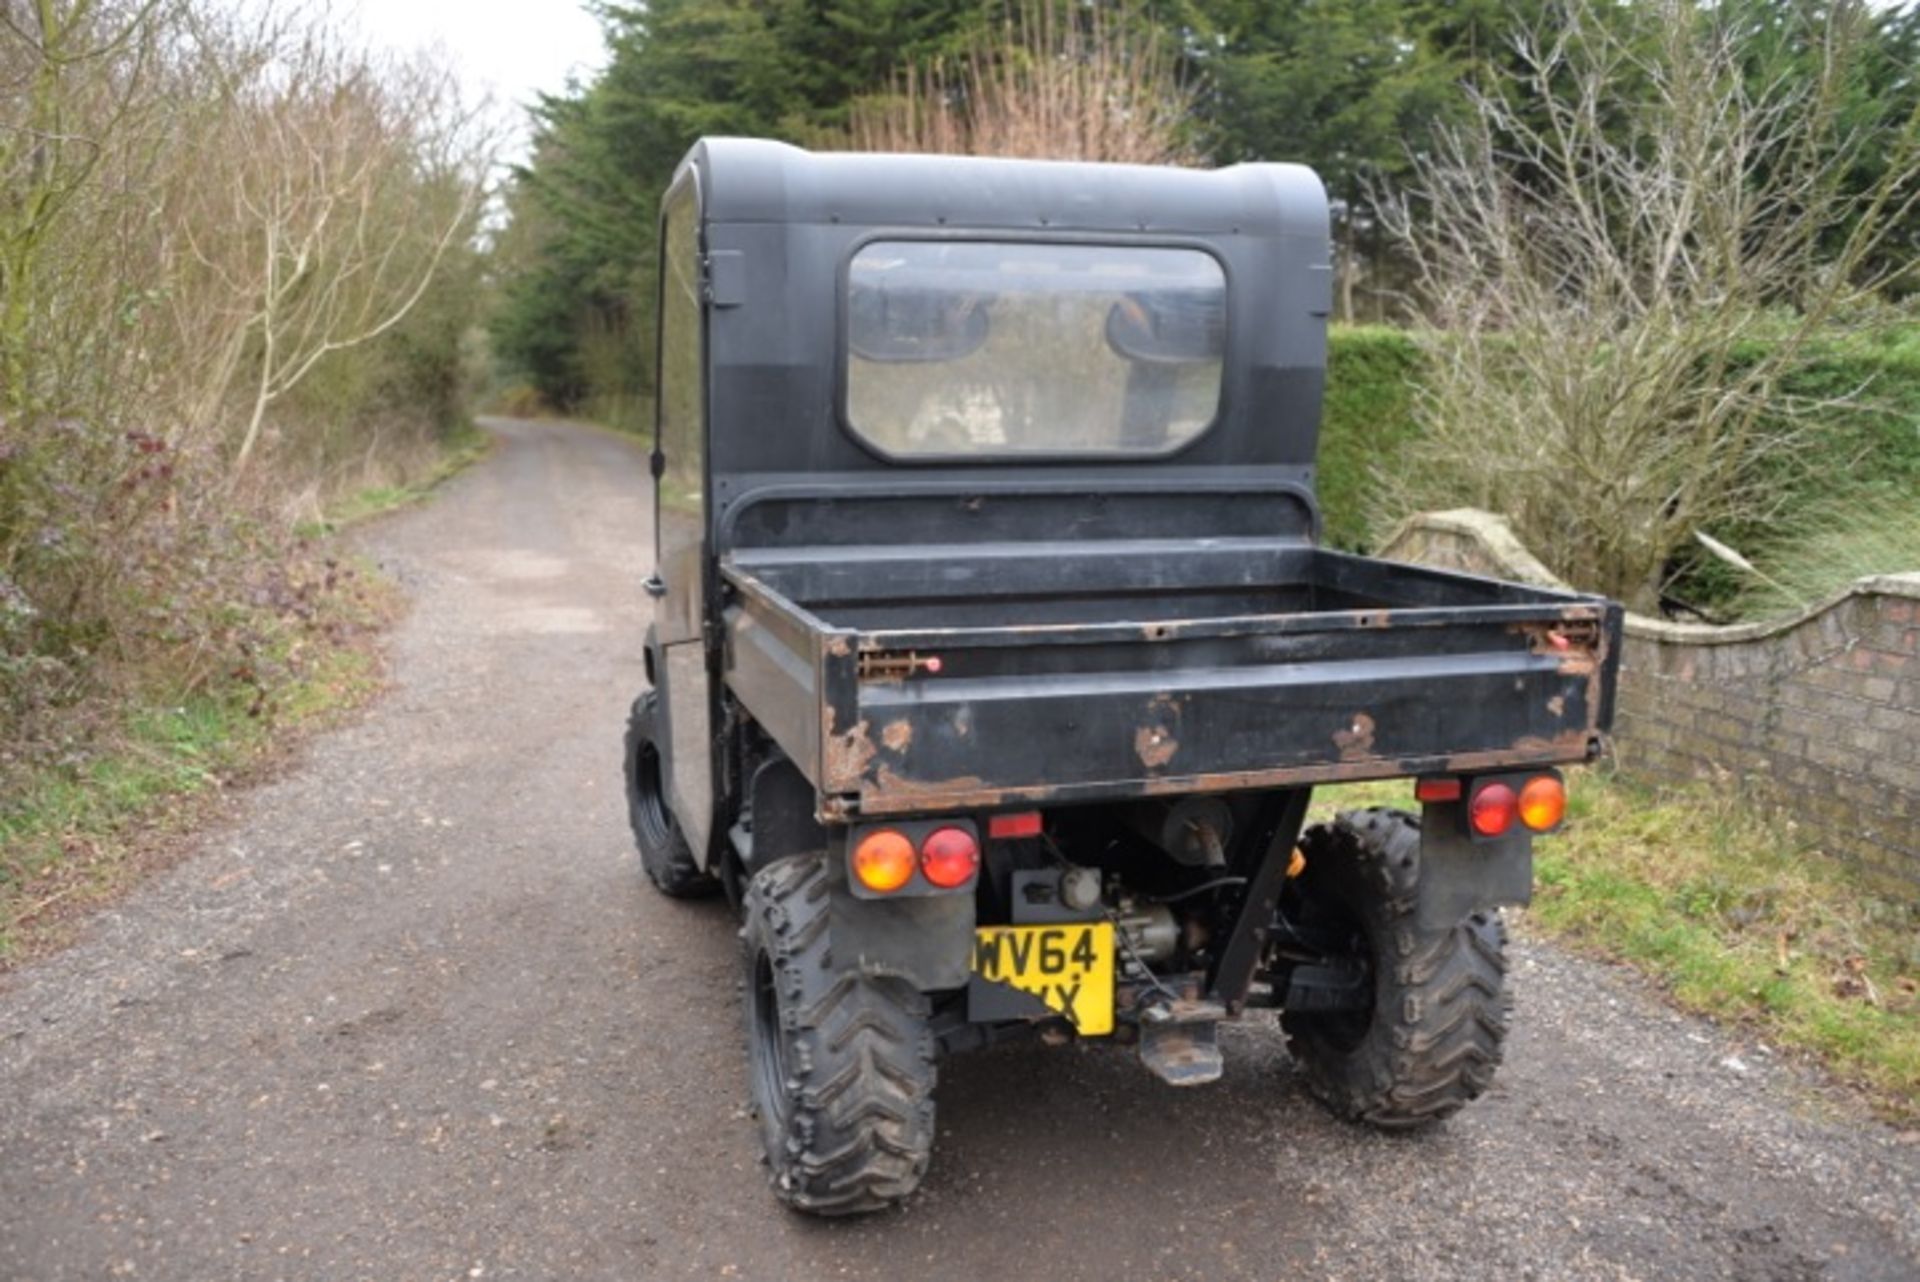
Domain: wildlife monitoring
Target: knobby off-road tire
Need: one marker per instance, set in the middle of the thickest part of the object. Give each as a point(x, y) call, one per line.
point(841, 1063)
point(664, 852)
point(1433, 1037)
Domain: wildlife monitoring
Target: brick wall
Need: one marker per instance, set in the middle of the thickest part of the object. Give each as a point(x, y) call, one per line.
point(1817, 714)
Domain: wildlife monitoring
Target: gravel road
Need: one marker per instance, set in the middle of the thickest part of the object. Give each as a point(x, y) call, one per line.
point(412, 1013)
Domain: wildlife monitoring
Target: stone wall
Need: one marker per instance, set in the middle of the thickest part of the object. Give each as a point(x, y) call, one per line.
point(1817, 714)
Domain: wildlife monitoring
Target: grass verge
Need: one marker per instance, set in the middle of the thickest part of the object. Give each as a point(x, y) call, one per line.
point(459, 453)
point(1735, 916)
point(75, 834)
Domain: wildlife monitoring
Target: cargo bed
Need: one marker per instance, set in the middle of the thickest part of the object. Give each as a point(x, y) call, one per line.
point(1136, 668)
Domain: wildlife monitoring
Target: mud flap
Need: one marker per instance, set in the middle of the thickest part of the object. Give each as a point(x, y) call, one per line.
point(1460, 876)
point(926, 940)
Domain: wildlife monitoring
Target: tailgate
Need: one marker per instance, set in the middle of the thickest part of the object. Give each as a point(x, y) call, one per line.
point(1017, 715)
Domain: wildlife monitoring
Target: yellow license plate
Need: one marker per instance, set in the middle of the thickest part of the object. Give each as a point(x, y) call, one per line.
point(1068, 966)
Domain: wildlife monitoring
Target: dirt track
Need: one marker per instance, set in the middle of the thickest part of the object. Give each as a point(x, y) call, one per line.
point(414, 1015)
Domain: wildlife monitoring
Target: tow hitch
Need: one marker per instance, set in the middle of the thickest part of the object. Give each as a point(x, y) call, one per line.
point(1179, 1040)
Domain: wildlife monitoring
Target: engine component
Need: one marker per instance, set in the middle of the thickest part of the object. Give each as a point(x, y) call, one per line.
point(1194, 830)
point(1080, 888)
point(1150, 931)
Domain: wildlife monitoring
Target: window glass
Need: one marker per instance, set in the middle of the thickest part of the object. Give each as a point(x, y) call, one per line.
point(681, 388)
point(959, 348)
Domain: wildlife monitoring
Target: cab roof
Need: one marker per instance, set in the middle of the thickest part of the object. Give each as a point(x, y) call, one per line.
point(751, 180)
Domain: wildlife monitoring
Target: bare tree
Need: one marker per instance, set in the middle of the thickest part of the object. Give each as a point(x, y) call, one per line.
point(71, 72)
point(342, 183)
point(1056, 81)
point(219, 223)
point(1620, 262)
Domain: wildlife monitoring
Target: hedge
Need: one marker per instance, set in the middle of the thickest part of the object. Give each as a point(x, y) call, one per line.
point(1367, 421)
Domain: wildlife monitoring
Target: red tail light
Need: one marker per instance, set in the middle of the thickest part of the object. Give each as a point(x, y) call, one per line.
point(949, 857)
point(1493, 809)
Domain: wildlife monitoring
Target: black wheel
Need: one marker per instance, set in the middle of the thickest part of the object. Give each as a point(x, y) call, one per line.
point(663, 849)
point(842, 1063)
point(1431, 1039)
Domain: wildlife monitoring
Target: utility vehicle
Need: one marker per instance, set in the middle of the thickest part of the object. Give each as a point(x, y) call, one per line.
point(995, 655)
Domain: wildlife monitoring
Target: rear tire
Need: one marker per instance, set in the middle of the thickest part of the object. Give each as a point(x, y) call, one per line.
point(664, 852)
point(841, 1063)
point(1433, 1037)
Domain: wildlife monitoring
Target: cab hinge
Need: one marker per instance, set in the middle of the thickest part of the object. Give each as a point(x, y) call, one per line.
point(723, 274)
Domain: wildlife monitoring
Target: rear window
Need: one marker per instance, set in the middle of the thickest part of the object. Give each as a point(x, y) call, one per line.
point(960, 348)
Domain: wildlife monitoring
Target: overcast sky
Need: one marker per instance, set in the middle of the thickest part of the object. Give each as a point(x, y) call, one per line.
point(510, 48)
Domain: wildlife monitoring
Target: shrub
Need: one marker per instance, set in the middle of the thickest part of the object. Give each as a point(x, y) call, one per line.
point(1626, 263)
point(521, 400)
point(1842, 509)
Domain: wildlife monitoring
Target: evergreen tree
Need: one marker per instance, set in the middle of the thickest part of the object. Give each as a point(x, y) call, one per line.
point(575, 312)
point(1347, 86)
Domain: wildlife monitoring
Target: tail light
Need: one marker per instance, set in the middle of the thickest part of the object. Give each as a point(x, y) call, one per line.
point(1543, 803)
point(949, 857)
point(1492, 810)
point(1535, 803)
point(913, 857)
point(883, 861)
